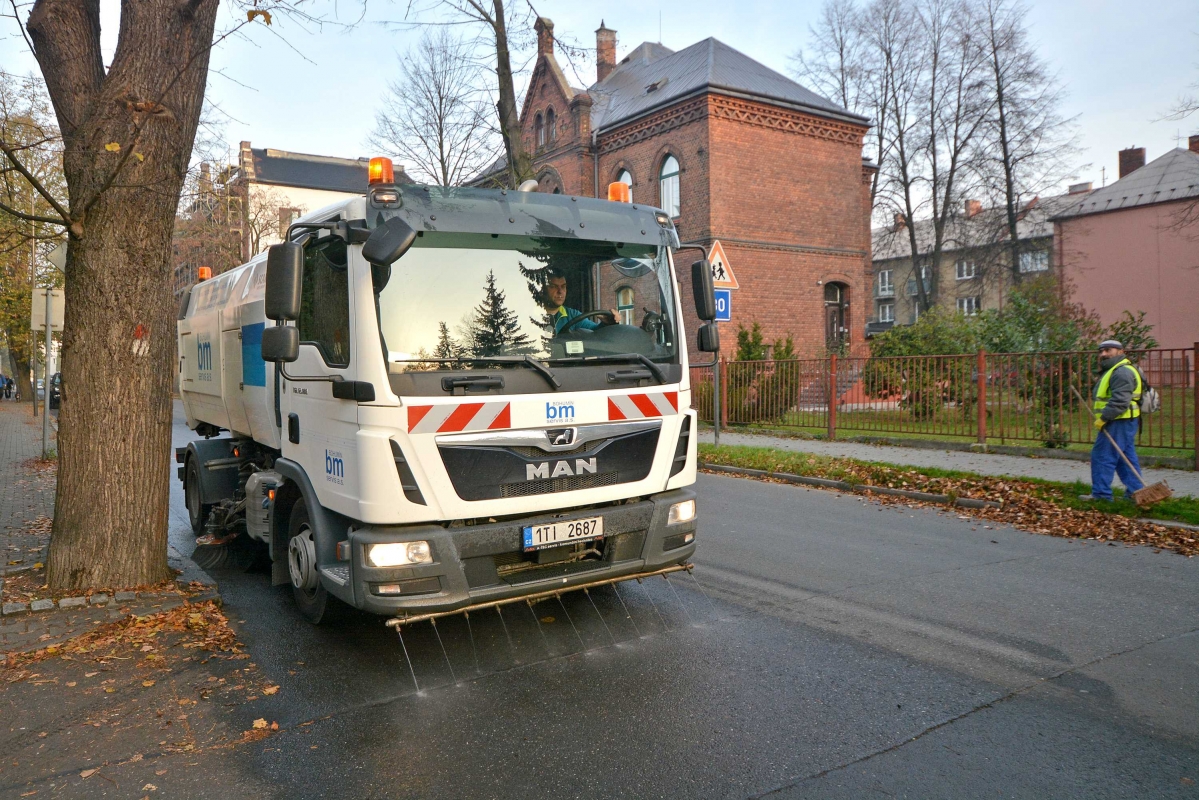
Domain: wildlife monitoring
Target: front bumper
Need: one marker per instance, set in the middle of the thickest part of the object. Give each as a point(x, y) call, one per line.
point(465, 559)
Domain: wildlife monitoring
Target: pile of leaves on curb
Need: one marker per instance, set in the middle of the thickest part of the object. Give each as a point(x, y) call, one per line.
point(1035, 506)
point(201, 626)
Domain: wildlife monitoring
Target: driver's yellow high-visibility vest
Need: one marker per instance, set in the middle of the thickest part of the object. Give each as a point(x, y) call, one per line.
point(1104, 393)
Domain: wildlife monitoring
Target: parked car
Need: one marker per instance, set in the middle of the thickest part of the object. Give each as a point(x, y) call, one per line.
point(55, 390)
point(40, 389)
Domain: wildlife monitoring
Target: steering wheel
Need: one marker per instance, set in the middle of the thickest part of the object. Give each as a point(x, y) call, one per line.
point(581, 317)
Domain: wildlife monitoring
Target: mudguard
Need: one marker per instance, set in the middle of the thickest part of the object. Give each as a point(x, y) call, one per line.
point(218, 481)
point(328, 528)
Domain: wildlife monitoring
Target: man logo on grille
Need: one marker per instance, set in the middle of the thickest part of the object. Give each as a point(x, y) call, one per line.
point(561, 436)
point(562, 469)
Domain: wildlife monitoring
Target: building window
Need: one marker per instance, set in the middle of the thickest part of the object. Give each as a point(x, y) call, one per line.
point(966, 270)
point(539, 130)
point(886, 312)
point(669, 181)
point(885, 287)
point(1034, 261)
point(626, 178)
point(969, 305)
point(624, 305)
point(925, 279)
point(551, 128)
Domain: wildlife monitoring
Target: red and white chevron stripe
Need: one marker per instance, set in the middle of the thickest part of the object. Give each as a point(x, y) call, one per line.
point(450, 418)
point(642, 405)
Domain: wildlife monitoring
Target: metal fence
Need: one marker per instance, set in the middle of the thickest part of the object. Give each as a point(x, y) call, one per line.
point(999, 398)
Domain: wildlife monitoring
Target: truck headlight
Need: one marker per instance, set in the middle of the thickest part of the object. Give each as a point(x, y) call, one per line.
point(681, 512)
point(398, 554)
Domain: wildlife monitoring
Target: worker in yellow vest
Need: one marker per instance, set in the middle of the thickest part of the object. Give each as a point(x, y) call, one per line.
point(1116, 403)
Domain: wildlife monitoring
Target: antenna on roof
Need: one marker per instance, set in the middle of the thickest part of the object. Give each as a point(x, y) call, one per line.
point(659, 26)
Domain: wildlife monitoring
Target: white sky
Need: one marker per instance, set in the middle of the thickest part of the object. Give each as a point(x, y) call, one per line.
point(1124, 64)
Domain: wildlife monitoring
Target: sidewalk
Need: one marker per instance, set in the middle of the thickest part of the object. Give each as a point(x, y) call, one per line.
point(1050, 469)
point(29, 617)
point(26, 488)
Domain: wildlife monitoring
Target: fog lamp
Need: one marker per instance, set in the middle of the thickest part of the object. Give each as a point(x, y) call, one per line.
point(398, 554)
point(681, 512)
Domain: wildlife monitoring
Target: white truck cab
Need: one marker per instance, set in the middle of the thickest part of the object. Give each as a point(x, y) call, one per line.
point(432, 398)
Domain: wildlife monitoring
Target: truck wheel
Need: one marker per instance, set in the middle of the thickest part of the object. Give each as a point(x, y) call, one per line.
point(312, 599)
point(197, 511)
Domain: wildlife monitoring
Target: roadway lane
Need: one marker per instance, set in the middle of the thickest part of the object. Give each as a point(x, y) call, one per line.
point(831, 647)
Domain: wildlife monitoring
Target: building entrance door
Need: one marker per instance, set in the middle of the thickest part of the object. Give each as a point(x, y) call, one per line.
point(836, 315)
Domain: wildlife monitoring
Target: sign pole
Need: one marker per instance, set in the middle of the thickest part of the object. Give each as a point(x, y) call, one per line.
point(46, 396)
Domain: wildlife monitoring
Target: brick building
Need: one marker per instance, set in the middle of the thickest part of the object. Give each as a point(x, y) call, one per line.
point(239, 210)
point(736, 153)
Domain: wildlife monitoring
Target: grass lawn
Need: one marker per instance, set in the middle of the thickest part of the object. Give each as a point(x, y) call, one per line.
point(939, 481)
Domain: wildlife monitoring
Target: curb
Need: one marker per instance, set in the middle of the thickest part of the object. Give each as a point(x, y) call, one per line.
point(189, 572)
point(1167, 462)
point(861, 488)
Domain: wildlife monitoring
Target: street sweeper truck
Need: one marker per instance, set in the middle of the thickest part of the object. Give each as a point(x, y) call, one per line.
point(428, 400)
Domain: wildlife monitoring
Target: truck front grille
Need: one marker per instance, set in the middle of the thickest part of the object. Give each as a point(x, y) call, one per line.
point(551, 485)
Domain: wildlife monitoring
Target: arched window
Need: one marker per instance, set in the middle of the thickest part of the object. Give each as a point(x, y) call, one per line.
point(551, 129)
point(539, 130)
point(624, 304)
point(669, 183)
point(626, 178)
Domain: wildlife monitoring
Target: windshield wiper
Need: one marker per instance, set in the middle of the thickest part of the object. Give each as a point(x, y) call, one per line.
point(527, 360)
point(652, 366)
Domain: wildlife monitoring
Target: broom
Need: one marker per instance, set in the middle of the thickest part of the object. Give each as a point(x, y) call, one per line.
point(1143, 497)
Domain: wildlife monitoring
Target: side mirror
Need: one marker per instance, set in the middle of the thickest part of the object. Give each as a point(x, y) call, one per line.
point(705, 292)
point(284, 271)
point(281, 343)
point(388, 242)
point(708, 342)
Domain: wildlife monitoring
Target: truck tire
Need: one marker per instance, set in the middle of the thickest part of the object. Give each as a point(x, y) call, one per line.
point(197, 511)
point(313, 600)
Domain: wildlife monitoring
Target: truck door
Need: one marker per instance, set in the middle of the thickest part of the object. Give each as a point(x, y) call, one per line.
point(326, 426)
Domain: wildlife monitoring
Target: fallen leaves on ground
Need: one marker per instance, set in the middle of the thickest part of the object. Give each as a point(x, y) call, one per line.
point(1027, 505)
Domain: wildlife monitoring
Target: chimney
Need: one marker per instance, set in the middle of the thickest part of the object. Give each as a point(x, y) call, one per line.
point(1131, 160)
point(973, 207)
point(545, 36)
point(1193, 144)
point(1079, 188)
point(245, 162)
point(900, 222)
point(605, 52)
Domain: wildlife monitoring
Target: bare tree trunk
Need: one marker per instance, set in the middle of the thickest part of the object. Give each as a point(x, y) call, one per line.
point(137, 121)
point(519, 167)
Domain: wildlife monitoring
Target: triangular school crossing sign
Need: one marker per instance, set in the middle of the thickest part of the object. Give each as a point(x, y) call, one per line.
point(722, 273)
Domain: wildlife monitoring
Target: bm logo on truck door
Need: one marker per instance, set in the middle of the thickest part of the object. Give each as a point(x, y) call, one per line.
point(335, 467)
point(561, 469)
point(203, 357)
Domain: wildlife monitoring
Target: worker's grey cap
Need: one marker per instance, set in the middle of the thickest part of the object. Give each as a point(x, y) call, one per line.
point(1110, 343)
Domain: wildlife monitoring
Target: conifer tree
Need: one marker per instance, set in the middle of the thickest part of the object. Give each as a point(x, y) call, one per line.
point(495, 328)
point(446, 347)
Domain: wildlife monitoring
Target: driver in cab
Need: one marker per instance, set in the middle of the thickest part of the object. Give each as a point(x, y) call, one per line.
point(555, 304)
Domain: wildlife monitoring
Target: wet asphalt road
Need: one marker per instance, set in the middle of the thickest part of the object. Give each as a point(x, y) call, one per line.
point(829, 647)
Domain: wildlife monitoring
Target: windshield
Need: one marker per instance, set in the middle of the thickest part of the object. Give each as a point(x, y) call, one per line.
point(479, 296)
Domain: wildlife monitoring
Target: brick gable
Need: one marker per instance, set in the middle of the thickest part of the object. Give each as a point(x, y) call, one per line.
point(783, 188)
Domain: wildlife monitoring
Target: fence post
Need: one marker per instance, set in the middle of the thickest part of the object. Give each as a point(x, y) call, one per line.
point(832, 396)
point(982, 396)
point(1195, 409)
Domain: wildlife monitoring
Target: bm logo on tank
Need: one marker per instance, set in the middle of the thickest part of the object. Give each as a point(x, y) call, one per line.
point(559, 412)
point(335, 467)
point(203, 357)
